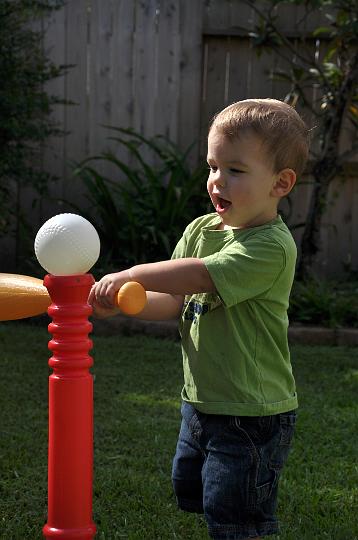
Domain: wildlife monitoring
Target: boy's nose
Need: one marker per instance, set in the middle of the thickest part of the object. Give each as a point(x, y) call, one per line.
point(219, 179)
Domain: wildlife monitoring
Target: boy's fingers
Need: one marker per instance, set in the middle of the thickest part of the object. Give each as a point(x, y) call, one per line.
point(105, 302)
point(91, 295)
point(104, 295)
point(99, 312)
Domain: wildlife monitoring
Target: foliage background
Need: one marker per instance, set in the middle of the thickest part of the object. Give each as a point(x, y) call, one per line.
point(25, 106)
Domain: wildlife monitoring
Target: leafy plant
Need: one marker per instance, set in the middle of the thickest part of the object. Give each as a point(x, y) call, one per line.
point(25, 107)
point(142, 209)
point(325, 85)
point(325, 303)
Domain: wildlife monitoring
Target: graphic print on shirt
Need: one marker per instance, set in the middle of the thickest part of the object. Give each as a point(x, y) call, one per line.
point(199, 305)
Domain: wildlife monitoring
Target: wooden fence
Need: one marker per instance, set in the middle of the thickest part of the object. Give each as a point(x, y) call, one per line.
point(165, 67)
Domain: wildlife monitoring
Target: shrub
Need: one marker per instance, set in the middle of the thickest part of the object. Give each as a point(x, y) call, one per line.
point(25, 107)
point(142, 210)
point(325, 303)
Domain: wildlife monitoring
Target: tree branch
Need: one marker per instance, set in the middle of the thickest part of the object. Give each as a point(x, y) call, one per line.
point(305, 60)
point(336, 116)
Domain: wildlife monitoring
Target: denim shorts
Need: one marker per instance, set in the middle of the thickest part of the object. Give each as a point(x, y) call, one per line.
point(228, 467)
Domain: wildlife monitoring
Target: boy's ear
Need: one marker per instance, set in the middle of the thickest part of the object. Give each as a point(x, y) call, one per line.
point(285, 180)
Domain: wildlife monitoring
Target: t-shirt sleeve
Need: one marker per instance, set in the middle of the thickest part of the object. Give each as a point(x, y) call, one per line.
point(245, 270)
point(180, 248)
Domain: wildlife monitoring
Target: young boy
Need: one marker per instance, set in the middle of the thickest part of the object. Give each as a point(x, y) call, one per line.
point(229, 280)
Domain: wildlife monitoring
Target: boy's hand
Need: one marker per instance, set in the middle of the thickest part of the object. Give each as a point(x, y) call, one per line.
point(99, 312)
point(103, 292)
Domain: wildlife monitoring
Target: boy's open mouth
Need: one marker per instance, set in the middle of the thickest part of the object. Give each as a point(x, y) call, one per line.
point(222, 205)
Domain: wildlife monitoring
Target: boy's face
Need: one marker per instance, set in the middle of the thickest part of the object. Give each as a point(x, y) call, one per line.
point(241, 180)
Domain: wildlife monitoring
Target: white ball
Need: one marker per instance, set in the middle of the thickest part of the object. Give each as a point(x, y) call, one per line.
point(67, 244)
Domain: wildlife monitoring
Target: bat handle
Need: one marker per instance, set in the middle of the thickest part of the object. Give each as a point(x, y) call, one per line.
point(131, 298)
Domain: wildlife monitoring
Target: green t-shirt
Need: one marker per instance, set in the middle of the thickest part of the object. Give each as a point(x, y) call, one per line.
point(235, 350)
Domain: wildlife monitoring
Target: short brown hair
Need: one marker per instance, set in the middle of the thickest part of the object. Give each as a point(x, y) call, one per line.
point(282, 131)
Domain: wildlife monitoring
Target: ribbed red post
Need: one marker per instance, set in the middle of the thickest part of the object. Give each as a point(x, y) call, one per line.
point(70, 452)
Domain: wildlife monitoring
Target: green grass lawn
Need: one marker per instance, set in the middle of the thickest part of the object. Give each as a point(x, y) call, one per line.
point(137, 389)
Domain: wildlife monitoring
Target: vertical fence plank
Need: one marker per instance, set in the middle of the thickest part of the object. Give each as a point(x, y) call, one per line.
point(110, 77)
point(76, 143)
point(217, 14)
point(286, 17)
point(122, 43)
point(145, 76)
point(167, 88)
point(339, 241)
point(99, 79)
point(54, 150)
point(121, 91)
point(241, 16)
point(300, 198)
point(280, 88)
point(259, 82)
point(145, 69)
point(101, 66)
point(239, 52)
point(190, 76)
point(322, 260)
point(215, 78)
point(241, 19)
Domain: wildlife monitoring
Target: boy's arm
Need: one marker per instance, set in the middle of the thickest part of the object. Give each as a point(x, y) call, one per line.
point(174, 277)
point(159, 307)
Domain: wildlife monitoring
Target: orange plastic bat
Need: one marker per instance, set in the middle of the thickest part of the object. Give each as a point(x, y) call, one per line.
point(26, 296)
point(21, 297)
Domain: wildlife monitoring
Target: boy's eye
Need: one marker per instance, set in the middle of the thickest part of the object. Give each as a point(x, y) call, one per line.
point(232, 170)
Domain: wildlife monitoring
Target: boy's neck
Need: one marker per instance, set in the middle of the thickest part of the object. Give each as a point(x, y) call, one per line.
point(257, 223)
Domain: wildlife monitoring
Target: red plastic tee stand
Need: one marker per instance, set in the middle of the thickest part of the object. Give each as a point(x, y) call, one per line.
point(70, 453)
